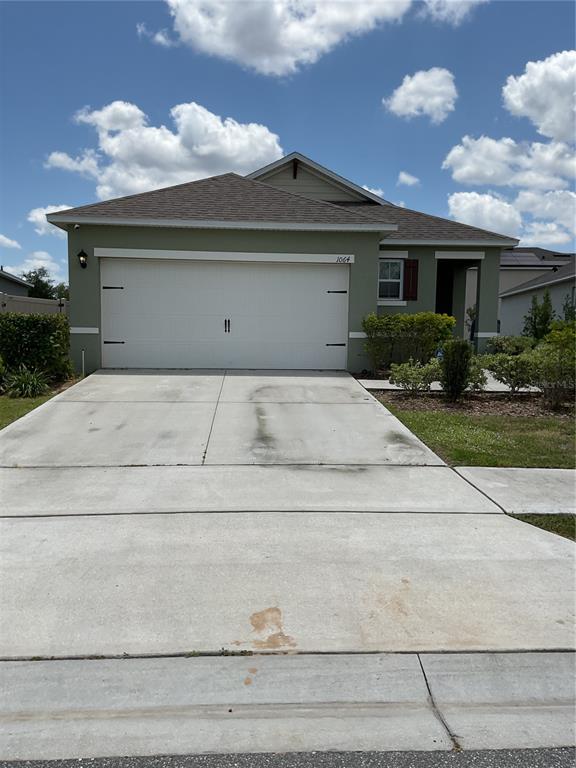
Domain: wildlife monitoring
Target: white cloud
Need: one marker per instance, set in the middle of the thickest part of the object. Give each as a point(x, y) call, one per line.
point(38, 259)
point(133, 156)
point(407, 180)
point(429, 92)
point(485, 211)
point(545, 234)
point(276, 37)
point(374, 190)
point(558, 206)
point(545, 93)
point(162, 37)
point(450, 11)
point(538, 176)
point(505, 162)
point(37, 217)
point(6, 242)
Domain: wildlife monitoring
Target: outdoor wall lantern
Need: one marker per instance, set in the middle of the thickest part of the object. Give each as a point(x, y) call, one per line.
point(83, 259)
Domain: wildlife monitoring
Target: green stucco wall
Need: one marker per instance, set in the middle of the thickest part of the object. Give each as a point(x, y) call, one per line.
point(487, 294)
point(85, 283)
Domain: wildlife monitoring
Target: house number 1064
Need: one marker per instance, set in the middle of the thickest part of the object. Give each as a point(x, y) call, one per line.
point(342, 259)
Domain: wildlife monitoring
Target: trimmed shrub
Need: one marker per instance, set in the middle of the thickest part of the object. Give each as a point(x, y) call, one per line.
point(509, 345)
point(24, 382)
point(477, 380)
point(516, 371)
point(455, 365)
point(554, 364)
point(38, 342)
point(413, 376)
point(400, 337)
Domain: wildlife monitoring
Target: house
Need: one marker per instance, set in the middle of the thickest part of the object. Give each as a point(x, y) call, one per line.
point(517, 266)
point(12, 285)
point(516, 301)
point(273, 270)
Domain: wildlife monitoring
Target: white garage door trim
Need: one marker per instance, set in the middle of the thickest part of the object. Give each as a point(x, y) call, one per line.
point(175, 314)
point(303, 258)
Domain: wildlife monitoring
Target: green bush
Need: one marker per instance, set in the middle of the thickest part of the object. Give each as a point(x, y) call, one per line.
point(413, 376)
point(477, 380)
point(401, 337)
point(455, 365)
point(24, 382)
point(516, 371)
point(2, 374)
point(38, 342)
point(509, 345)
point(554, 364)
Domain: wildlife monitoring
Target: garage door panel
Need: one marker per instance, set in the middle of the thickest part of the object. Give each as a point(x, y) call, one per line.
point(170, 314)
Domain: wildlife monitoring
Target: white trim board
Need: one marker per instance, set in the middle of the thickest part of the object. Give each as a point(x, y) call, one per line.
point(356, 335)
point(296, 258)
point(476, 255)
point(84, 329)
point(393, 254)
point(466, 243)
point(280, 226)
point(486, 334)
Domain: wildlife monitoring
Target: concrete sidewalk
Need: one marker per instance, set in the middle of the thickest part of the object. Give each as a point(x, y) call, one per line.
point(95, 708)
point(526, 491)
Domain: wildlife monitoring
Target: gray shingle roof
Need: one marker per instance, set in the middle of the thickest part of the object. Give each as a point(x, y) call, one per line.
point(233, 199)
point(416, 226)
point(564, 274)
point(229, 197)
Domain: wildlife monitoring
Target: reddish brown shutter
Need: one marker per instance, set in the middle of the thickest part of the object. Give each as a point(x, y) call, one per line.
point(411, 279)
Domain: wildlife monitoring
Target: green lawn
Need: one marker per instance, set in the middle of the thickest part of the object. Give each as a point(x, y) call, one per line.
point(563, 525)
point(12, 408)
point(493, 441)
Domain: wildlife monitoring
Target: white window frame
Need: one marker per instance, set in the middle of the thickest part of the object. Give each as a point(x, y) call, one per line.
point(397, 302)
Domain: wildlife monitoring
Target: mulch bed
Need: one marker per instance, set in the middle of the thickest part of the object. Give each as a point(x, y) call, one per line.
point(483, 404)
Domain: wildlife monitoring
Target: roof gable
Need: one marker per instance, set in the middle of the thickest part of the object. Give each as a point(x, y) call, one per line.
point(318, 181)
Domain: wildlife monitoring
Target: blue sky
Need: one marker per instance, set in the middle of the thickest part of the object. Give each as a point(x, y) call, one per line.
point(324, 99)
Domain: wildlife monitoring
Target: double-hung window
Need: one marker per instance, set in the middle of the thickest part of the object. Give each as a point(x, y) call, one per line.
point(390, 278)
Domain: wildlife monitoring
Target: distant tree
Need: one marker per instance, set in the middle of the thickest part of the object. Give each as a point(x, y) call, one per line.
point(41, 282)
point(539, 319)
point(62, 291)
point(43, 286)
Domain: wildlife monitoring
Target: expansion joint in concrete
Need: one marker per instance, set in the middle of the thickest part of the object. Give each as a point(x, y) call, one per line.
point(456, 747)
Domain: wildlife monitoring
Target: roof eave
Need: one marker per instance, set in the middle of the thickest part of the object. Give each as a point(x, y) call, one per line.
point(457, 243)
point(64, 222)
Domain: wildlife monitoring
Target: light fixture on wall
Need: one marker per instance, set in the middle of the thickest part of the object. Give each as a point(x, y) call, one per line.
point(83, 259)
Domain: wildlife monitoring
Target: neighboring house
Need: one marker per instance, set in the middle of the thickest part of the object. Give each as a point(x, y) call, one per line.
point(273, 270)
point(516, 302)
point(517, 266)
point(13, 286)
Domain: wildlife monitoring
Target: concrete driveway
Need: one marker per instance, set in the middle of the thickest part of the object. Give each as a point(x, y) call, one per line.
point(119, 531)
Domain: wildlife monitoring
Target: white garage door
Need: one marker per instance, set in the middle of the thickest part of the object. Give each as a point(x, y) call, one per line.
point(207, 314)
